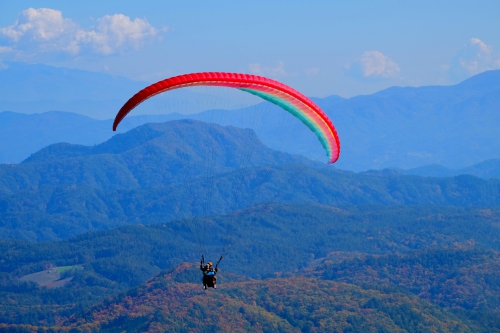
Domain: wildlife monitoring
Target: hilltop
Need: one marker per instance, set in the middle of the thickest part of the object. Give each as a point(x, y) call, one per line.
point(284, 305)
point(166, 302)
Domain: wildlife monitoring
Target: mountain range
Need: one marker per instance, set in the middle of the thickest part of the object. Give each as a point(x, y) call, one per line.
point(400, 127)
point(160, 172)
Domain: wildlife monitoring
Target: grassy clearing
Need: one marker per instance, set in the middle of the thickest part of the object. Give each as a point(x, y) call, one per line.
point(62, 269)
point(50, 278)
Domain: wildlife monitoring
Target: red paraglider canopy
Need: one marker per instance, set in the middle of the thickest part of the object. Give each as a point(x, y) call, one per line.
point(276, 92)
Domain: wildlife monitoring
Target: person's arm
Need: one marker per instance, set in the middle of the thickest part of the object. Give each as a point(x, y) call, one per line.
point(218, 262)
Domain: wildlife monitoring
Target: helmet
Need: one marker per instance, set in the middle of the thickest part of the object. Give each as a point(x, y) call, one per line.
point(209, 263)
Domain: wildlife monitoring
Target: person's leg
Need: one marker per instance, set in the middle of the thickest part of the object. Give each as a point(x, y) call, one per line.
point(204, 280)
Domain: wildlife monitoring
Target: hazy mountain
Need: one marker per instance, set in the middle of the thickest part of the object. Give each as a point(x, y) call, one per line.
point(37, 88)
point(38, 82)
point(453, 126)
point(432, 170)
point(22, 134)
point(486, 169)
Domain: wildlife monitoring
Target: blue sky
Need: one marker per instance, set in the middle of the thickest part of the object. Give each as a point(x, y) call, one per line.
point(322, 48)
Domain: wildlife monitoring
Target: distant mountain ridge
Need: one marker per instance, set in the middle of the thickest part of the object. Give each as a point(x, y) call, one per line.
point(455, 126)
point(486, 169)
point(18, 142)
point(38, 88)
point(403, 127)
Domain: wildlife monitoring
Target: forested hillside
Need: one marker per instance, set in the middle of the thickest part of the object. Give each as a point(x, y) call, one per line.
point(159, 172)
point(275, 305)
point(462, 279)
point(444, 255)
point(151, 155)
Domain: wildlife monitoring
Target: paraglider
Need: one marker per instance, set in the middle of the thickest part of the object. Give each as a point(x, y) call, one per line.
point(270, 90)
point(209, 272)
point(273, 91)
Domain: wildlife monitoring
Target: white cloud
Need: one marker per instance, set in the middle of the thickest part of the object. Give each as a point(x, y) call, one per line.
point(373, 64)
point(276, 71)
point(45, 30)
point(38, 25)
point(114, 32)
point(475, 57)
